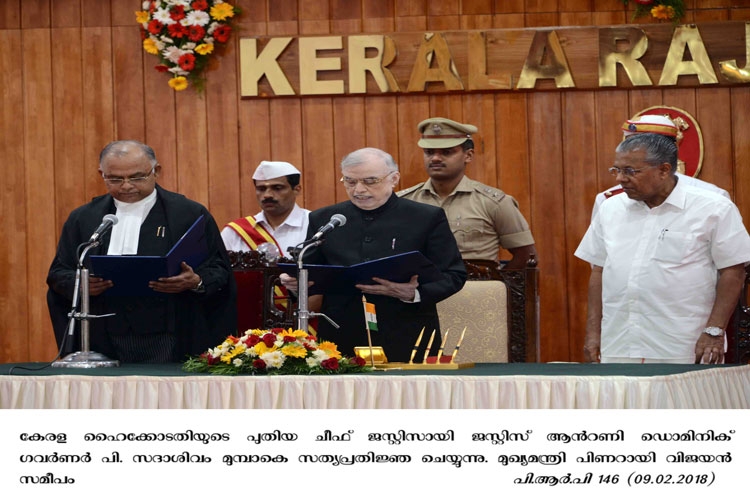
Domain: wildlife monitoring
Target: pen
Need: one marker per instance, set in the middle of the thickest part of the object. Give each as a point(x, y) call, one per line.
point(661, 235)
point(393, 244)
point(416, 346)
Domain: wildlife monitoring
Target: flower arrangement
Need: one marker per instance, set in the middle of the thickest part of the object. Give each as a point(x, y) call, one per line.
point(184, 33)
point(275, 351)
point(665, 10)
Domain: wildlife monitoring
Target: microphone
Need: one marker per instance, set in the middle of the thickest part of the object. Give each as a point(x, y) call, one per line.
point(336, 220)
point(108, 221)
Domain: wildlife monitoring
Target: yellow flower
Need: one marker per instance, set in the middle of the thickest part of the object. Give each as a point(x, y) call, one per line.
point(330, 348)
point(662, 12)
point(239, 349)
point(261, 348)
point(150, 46)
point(205, 48)
point(178, 83)
point(294, 351)
point(141, 16)
point(222, 11)
point(300, 334)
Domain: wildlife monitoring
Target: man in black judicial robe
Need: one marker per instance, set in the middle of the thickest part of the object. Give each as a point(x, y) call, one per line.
point(380, 224)
point(189, 313)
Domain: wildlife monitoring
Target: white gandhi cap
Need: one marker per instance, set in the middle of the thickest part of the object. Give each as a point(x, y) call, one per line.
point(274, 169)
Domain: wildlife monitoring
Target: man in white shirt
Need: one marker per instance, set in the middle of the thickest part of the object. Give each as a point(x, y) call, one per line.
point(281, 221)
point(668, 263)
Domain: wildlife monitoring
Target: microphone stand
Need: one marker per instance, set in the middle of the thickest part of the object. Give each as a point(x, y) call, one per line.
point(303, 313)
point(85, 358)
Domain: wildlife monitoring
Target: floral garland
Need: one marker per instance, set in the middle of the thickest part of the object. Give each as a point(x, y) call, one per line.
point(184, 33)
point(665, 10)
point(275, 351)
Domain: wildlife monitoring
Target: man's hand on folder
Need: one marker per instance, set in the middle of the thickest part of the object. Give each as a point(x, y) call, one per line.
point(402, 291)
point(186, 280)
point(290, 282)
point(98, 285)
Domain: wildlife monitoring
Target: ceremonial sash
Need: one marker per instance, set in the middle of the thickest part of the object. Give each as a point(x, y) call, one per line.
point(253, 233)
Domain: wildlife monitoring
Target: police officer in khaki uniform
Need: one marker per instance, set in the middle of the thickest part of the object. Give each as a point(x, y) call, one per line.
point(483, 219)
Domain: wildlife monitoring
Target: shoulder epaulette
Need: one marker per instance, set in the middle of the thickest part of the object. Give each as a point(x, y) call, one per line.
point(408, 190)
point(490, 192)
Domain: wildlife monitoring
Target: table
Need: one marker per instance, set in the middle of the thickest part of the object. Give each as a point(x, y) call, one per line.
point(486, 386)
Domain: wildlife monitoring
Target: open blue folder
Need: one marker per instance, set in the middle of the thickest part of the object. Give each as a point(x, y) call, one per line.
point(341, 279)
point(131, 273)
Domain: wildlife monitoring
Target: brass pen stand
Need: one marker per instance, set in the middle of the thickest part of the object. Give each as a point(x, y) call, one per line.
point(375, 356)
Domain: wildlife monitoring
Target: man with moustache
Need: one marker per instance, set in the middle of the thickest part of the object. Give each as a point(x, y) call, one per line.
point(380, 224)
point(482, 218)
point(281, 221)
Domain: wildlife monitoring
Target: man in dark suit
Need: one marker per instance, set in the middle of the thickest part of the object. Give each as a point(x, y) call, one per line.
point(189, 312)
point(380, 224)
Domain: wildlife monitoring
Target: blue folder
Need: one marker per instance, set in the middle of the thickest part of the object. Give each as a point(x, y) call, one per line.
point(131, 273)
point(341, 279)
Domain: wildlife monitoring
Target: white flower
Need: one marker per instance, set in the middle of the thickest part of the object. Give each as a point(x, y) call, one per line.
point(274, 359)
point(197, 17)
point(188, 47)
point(184, 3)
point(237, 362)
point(162, 15)
point(146, 4)
point(212, 27)
point(178, 71)
point(173, 54)
point(312, 361)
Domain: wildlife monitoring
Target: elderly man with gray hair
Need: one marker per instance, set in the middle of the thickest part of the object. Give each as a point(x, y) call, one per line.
point(668, 263)
point(380, 224)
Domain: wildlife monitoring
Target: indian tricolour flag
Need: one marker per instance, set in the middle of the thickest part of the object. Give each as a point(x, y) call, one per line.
point(370, 317)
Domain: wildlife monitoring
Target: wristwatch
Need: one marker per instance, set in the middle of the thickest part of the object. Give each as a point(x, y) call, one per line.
point(199, 288)
point(714, 331)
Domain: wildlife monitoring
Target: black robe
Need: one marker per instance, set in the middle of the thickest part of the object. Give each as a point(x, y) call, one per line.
point(398, 226)
point(197, 320)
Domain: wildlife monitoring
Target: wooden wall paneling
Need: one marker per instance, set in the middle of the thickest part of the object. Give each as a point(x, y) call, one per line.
point(160, 120)
point(507, 21)
point(611, 111)
point(578, 113)
point(411, 111)
point(642, 99)
point(541, 19)
point(548, 214)
point(123, 12)
point(575, 18)
point(606, 18)
point(35, 14)
point(438, 9)
point(378, 9)
point(740, 105)
point(66, 13)
point(98, 13)
point(348, 135)
point(714, 116)
point(67, 76)
point(10, 15)
point(739, 14)
point(192, 146)
point(476, 22)
point(683, 98)
point(39, 202)
point(318, 152)
point(13, 247)
point(406, 8)
point(381, 116)
point(222, 97)
point(98, 103)
point(707, 15)
point(254, 147)
point(541, 5)
point(476, 7)
point(283, 17)
point(286, 134)
point(509, 6)
point(512, 143)
point(576, 5)
point(314, 17)
point(479, 110)
point(252, 20)
point(127, 51)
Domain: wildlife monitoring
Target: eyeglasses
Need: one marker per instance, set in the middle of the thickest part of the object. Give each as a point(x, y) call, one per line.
point(119, 181)
point(628, 171)
point(367, 181)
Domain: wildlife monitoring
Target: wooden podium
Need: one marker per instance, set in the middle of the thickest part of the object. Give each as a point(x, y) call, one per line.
point(258, 305)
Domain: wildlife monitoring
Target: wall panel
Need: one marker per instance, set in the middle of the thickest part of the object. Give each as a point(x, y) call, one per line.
point(550, 150)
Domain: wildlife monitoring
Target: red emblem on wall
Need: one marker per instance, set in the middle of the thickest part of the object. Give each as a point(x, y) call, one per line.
point(689, 138)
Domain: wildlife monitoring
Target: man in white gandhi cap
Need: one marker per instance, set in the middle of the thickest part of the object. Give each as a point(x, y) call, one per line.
point(281, 221)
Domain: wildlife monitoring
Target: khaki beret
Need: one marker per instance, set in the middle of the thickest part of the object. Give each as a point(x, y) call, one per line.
point(443, 133)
